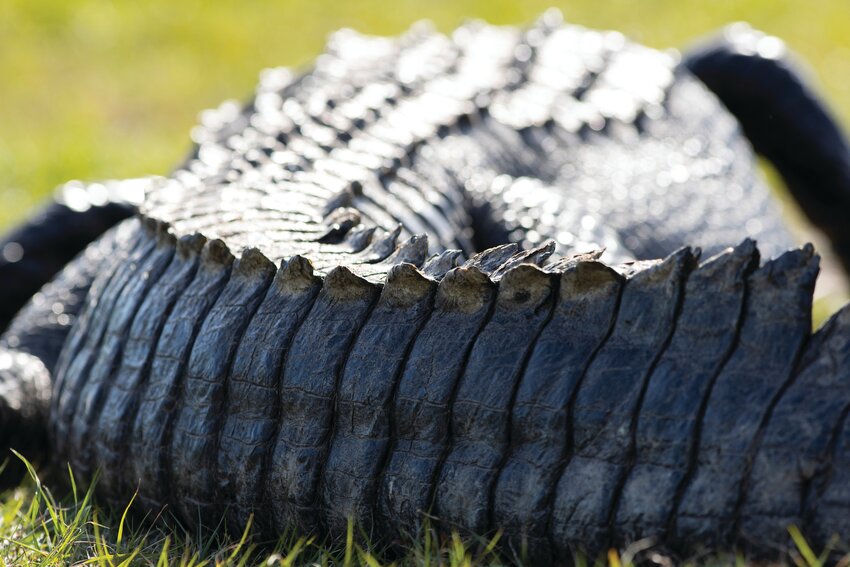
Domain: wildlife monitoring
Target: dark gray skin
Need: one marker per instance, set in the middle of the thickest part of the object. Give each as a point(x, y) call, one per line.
point(297, 324)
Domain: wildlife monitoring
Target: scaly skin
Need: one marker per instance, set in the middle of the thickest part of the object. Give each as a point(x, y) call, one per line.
point(297, 325)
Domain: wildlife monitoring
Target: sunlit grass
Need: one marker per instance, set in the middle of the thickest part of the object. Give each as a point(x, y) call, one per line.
point(41, 527)
point(38, 528)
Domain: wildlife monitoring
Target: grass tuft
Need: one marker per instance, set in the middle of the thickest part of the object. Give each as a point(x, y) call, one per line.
point(36, 528)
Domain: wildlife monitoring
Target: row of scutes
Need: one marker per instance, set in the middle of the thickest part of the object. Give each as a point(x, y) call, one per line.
point(374, 262)
point(503, 360)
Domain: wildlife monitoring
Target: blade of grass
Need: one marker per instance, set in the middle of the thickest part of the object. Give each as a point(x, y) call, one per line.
point(349, 543)
point(242, 540)
point(803, 547)
point(124, 519)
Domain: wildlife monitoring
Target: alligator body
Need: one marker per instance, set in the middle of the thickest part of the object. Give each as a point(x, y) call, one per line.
point(378, 291)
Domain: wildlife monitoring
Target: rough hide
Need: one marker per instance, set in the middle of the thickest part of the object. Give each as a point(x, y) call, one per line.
point(298, 325)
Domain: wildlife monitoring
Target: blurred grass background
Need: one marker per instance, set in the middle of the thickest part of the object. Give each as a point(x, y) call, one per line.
point(95, 89)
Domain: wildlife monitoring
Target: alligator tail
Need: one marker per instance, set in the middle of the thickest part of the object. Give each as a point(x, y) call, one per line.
point(763, 85)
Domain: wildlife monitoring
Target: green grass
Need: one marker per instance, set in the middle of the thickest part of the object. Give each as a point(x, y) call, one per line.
point(37, 528)
point(96, 89)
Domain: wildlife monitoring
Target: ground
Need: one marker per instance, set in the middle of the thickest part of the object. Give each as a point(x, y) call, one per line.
point(94, 88)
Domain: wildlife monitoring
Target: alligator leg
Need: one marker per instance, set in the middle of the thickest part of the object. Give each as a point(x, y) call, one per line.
point(785, 120)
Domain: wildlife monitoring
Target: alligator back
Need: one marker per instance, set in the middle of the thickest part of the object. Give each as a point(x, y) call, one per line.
point(360, 297)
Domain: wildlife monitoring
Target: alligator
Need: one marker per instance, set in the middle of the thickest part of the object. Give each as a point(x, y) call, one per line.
point(418, 284)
